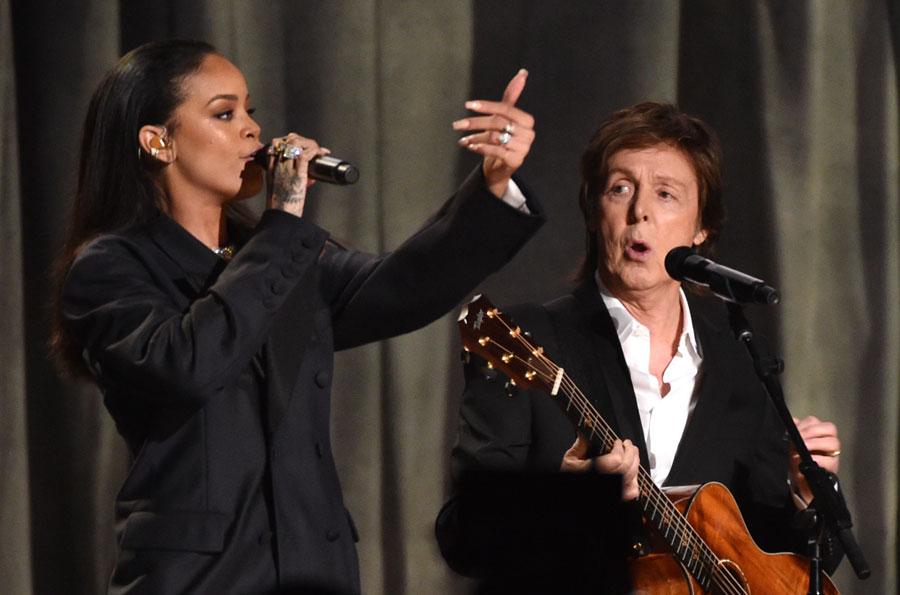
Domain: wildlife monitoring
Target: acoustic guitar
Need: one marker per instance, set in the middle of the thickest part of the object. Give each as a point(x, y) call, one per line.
point(708, 547)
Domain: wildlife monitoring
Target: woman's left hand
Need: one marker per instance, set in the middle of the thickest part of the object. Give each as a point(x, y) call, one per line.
point(821, 439)
point(505, 136)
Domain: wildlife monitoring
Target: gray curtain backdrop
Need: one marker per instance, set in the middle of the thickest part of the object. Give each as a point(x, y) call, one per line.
point(804, 94)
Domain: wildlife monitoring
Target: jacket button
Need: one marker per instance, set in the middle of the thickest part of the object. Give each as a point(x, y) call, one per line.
point(323, 378)
point(332, 535)
point(277, 288)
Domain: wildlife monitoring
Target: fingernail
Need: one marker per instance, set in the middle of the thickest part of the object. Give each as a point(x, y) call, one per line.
point(460, 124)
point(463, 141)
point(473, 105)
point(522, 71)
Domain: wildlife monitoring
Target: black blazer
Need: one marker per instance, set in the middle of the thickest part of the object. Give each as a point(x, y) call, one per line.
point(218, 378)
point(733, 435)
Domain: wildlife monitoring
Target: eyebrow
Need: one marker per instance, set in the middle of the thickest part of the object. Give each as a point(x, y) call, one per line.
point(670, 181)
point(657, 178)
point(228, 96)
point(619, 170)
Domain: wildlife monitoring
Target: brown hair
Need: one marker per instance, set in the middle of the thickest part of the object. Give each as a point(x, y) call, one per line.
point(638, 127)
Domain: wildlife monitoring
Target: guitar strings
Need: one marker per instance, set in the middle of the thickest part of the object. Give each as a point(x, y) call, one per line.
point(681, 528)
point(588, 413)
point(688, 537)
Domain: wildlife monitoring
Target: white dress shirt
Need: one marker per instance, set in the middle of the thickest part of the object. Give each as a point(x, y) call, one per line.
point(515, 198)
point(663, 419)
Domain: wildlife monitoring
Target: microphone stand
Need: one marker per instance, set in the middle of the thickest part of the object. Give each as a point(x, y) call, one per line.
point(829, 512)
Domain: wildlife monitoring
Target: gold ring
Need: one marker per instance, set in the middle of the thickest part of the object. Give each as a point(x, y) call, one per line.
point(833, 453)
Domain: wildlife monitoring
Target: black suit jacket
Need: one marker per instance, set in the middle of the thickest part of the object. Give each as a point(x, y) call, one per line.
point(733, 435)
point(218, 378)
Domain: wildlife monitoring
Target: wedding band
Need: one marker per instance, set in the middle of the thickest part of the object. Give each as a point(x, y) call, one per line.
point(504, 137)
point(833, 453)
point(508, 128)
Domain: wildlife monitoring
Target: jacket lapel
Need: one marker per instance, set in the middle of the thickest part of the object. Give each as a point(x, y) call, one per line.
point(709, 409)
point(194, 266)
point(607, 382)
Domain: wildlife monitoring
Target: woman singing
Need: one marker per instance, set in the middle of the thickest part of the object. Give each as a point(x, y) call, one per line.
point(211, 334)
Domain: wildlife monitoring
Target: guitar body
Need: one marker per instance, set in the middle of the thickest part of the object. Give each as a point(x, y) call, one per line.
point(660, 574)
point(715, 517)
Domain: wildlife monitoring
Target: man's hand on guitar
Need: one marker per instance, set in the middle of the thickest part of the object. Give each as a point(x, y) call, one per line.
point(623, 458)
point(821, 439)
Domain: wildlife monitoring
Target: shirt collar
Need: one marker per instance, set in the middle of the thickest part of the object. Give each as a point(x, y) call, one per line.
point(626, 324)
point(192, 255)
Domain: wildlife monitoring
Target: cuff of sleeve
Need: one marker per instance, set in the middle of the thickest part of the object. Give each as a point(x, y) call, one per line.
point(515, 198)
point(271, 262)
point(476, 186)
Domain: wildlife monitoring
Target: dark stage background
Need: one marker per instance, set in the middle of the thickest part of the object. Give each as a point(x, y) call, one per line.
point(804, 95)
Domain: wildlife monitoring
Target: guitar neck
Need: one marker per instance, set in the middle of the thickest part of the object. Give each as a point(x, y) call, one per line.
point(658, 510)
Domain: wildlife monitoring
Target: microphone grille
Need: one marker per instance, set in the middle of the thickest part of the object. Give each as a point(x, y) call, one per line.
point(674, 261)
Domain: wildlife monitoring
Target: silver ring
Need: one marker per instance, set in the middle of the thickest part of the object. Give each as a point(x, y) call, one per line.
point(508, 128)
point(504, 137)
point(290, 151)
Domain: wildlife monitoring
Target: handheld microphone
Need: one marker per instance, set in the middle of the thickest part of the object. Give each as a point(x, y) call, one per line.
point(728, 284)
point(324, 168)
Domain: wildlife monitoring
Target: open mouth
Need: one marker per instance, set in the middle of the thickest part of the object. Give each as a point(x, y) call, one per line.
point(252, 154)
point(640, 247)
point(637, 250)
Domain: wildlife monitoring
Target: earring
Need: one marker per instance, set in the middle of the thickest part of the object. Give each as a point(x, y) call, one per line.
point(154, 151)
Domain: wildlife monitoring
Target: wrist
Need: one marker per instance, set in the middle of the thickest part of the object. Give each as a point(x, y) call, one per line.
point(498, 189)
point(496, 182)
point(801, 501)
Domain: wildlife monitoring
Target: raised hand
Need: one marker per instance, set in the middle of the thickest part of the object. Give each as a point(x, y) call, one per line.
point(504, 135)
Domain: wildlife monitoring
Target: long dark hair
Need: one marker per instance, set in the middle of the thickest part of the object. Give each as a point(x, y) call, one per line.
point(116, 188)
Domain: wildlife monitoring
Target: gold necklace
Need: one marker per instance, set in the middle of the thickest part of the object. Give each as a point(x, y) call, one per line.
point(225, 253)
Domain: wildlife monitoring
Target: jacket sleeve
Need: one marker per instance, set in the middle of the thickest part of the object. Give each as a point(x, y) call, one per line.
point(494, 433)
point(133, 332)
point(471, 236)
